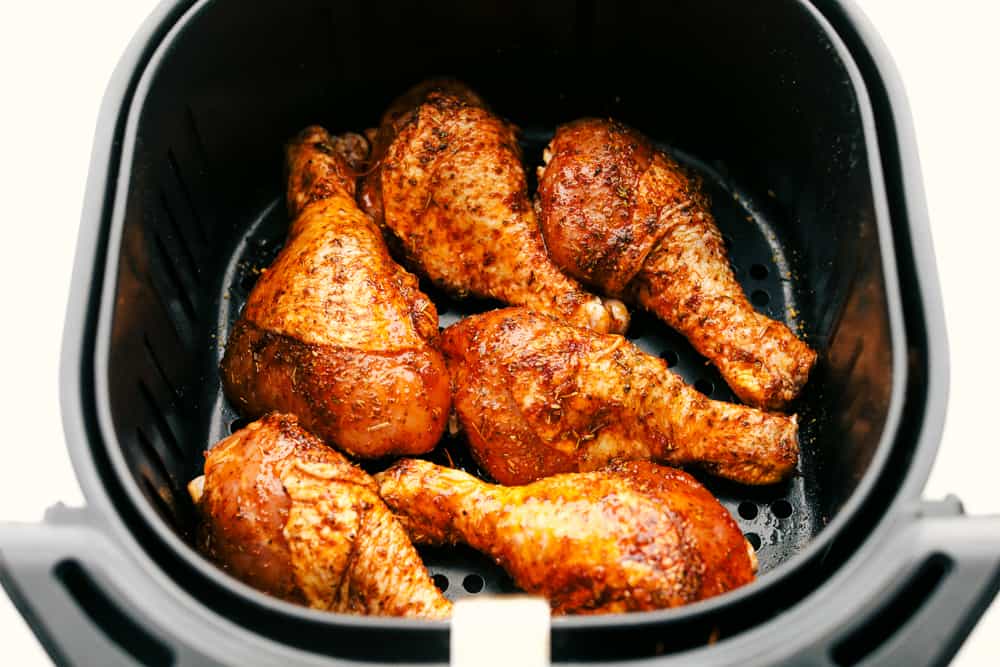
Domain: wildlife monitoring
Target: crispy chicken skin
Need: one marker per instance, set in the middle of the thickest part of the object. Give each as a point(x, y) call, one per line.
point(536, 397)
point(633, 536)
point(335, 331)
point(621, 215)
point(447, 180)
point(293, 518)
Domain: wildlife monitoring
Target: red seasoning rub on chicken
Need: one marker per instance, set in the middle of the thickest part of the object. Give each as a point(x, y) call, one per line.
point(536, 398)
point(447, 180)
point(291, 517)
point(335, 331)
point(633, 536)
point(621, 215)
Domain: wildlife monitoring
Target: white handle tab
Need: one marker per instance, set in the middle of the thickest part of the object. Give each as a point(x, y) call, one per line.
point(500, 632)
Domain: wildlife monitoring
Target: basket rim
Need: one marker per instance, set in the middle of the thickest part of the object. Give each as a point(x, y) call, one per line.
point(90, 428)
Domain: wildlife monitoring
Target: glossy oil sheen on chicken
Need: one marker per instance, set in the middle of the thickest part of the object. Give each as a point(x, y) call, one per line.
point(536, 397)
point(335, 331)
point(633, 536)
point(621, 215)
point(295, 519)
point(447, 180)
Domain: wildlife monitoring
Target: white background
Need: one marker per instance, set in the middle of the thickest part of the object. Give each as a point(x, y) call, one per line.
point(56, 58)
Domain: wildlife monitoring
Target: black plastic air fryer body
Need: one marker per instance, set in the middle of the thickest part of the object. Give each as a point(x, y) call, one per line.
point(795, 118)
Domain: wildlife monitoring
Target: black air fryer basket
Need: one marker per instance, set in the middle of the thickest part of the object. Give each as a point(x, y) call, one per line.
point(791, 112)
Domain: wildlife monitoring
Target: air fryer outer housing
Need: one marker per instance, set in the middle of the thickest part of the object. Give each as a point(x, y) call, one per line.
point(794, 99)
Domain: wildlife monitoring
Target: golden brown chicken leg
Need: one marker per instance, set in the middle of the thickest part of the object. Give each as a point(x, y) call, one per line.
point(447, 180)
point(292, 517)
point(619, 214)
point(536, 397)
point(335, 331)
point(631, 537)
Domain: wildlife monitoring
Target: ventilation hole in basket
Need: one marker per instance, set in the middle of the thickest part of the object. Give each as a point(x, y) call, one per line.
point(748, 510)
point(238, 424)
point(781, 509)
point(754, 540)
point(473, 583)
point(760, 297)
point(441, 581)
point(758, 272)
point(670, 357)
point(705, 386)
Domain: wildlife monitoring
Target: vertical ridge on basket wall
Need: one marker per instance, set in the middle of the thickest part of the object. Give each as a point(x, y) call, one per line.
point(160, 316)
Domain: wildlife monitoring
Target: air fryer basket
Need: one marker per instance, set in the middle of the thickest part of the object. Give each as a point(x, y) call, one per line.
point(795, 121)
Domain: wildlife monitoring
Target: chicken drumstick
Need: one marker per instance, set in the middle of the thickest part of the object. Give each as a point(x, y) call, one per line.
point(292, 517)
point(536, 397)
point(633, 536)
point(335, 331)
point(447, 180)
point(619, 214)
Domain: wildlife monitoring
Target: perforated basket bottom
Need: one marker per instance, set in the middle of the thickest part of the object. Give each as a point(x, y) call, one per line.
point(777, 520)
